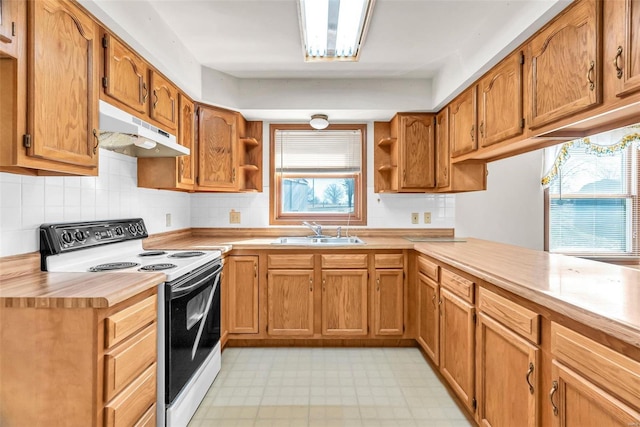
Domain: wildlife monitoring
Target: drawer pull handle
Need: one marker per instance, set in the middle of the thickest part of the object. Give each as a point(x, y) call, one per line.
point(472, 133)
point(95, 136)
point(482, 128)
point(615, 62)
point(590, 75)
point(310, 285)
point(378, 284)
point(553, 391)
point(528, 376)
point(433, 300)
point(145, 94)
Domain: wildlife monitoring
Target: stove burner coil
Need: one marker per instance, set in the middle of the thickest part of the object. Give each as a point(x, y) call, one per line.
point(113, 266)
point(152, 253)
point(188, 254)
point(157, 267)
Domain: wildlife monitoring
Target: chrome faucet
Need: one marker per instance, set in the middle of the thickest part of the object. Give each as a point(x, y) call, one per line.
point(339, 232)
point(315, 227)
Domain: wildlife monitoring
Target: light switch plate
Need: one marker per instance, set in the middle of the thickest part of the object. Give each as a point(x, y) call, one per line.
point(427, 217)
point(414, 218)
point(168, 220)
point(234, 217)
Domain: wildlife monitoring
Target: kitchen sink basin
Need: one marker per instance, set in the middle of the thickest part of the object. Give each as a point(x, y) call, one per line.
point(318, 241)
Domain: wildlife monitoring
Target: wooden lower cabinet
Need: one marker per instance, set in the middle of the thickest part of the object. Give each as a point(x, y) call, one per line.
point(290, 302)
point(457, 346)
point(429, 321)
point(508, 392)
point(344, 302)
point(242, 302)
point(576, 401)
point(388, 306)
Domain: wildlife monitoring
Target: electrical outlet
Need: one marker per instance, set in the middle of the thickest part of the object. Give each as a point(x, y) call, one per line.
point(427, 217)
point(414, 217)
point(167, 219)
point(234, 217)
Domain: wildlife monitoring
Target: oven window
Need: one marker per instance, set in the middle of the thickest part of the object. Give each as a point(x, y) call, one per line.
point(196, 307)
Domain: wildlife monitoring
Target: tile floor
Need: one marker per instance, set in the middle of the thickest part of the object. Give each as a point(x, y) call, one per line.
point(282, 387)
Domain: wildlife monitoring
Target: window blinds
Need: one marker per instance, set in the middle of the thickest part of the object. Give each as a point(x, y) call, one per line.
point(327, 151)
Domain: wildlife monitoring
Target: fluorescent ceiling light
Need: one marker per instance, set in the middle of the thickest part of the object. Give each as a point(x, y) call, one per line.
point(333, 29)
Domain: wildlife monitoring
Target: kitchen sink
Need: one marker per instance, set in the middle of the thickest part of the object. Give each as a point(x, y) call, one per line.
point(318, 241)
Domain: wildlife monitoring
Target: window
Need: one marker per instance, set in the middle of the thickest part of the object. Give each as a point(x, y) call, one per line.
point(318, 175)
point(592, 206)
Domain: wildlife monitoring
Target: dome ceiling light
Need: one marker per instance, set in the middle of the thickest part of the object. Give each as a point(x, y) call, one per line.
point(319, 121)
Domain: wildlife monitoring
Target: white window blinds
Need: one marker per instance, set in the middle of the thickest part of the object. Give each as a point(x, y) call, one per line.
point(329, 151)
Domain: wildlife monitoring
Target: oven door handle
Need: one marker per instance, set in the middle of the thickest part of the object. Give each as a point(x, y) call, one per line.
point(181, 291)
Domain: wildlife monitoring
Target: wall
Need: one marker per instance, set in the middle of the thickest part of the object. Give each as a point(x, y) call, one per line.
point(511, 210)
point(28, 201)
point(383, 210)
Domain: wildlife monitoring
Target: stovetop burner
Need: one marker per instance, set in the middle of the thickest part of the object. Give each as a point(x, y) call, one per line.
point(157, 267)
point(113, 266)
point(188, 254)
point(151, 253)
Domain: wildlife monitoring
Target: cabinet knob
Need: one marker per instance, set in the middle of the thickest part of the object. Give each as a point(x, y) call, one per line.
point(615, 62)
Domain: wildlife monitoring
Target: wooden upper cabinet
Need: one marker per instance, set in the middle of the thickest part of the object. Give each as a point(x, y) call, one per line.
point(627, 59)
point(125, 75)
point(9, 26)
point(462, 123)
point(344, 302)
point(63, 84)
point(443, 159)
point(164, 100)
point(500, 101)
point(290, 302)
point(217, 145)
point(416, 137)
point(186, 137)
point(564, 67)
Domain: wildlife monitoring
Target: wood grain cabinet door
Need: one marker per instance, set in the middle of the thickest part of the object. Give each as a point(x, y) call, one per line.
point(507, 372)
point(389, 302)
point(462, 123)
point(217, 144)
point(429, 322)
point(186, 137)
point(164, 101)
point(344, 302)
point(242, 287)
point(457, 346)
point(290, 302)
point(564, 66)
point(627, 60)
point(417, 144)
point(9, 26)
point(63, 83)
point(125, 75)
point(443, 158)
point(500, 102)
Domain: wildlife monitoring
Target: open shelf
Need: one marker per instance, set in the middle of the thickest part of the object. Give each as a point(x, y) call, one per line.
point(384, 142)
point(249, 141)
point(384, 168)
point(249, 168)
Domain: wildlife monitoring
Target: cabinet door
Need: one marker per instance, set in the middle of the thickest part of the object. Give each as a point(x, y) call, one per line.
point(344, 302)
point(164, 101)
point(216, 149)
point(290, 302)
point(429, 322)
point(417, 145)
point(462, 123)
point(63, 91)
point(389, 302)
point(565, 64)
point(507, 373)
point(125, 75)
point(242, 305)
point(8, 26)
point(500, 102)
point(457, 345)
point(186, 137)
point(576, 401)
point(443, 158)
point(627, 61)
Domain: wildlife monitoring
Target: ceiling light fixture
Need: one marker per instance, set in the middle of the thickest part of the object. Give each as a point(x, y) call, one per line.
point(319, 121)
point(333, 29)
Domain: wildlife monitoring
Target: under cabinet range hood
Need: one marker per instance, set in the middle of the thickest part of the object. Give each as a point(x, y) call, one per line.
point(127, 134)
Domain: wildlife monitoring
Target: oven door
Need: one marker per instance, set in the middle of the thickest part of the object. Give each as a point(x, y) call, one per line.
point(192, 318)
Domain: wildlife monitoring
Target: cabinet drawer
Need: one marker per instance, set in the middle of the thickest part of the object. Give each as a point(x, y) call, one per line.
point(521, 320)
point(124, 323)
point(457, 284)
point(609, 369)
point(389, 260)
point(133, 403)
point(148, 419)
point(428, 268)
point(345, 261)
point(290, 261)
point(128, 360)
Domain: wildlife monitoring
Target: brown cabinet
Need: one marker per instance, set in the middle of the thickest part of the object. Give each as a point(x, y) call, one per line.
point(344, 301)
point(9, 27)
point(627, 34)
point(500, 101)
point(217, 149)
point(126, 75)
point(462, 123)
point(564, 67)
point(429, 321)
point(290, 302)
point(404, 154)
point(388, 300)
point(242, 302)
point(249, 155)
point(164, 100)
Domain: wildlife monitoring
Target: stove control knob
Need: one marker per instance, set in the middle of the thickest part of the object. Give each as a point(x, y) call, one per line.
point(119, 231)
point(139, 228)
point(79, 235)
point(132, 229)
point(67, 237)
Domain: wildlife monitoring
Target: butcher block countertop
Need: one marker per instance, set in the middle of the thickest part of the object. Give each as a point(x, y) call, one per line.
point(23, 285)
